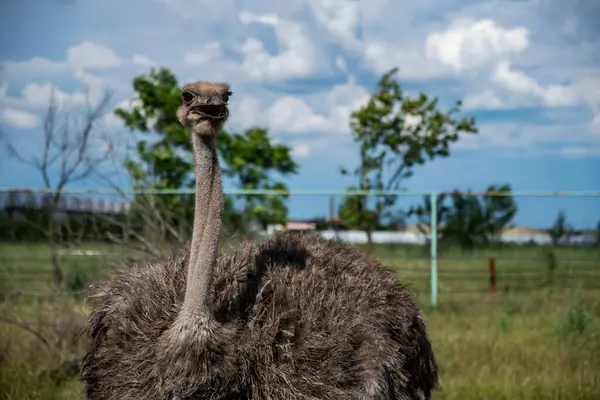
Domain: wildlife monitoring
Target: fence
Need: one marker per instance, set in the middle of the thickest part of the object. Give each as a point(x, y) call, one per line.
point(512, 256)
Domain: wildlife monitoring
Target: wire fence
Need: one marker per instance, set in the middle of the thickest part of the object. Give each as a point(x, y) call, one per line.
point(99, 229)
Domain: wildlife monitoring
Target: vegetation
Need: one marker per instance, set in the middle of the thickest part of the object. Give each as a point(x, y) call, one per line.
point(537, 338)
point(72, 151)
point(531, 340)
point(470, 220)
point(560, 229)
point(395, 133)
point(164, 159)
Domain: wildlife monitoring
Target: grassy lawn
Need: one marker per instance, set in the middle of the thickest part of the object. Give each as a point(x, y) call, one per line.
point(538, 337)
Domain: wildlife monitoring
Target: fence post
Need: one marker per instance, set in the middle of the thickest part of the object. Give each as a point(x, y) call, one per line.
point(492, 275)
point(433, 245)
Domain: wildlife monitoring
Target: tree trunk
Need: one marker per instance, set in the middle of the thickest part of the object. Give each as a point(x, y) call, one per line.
point(370, 246)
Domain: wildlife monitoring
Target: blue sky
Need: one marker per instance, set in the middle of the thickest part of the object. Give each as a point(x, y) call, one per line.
point(529, 71)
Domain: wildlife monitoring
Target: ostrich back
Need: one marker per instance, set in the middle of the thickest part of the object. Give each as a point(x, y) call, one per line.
point(298, 318)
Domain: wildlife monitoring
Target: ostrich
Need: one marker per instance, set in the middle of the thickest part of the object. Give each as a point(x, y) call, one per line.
point(293, 318)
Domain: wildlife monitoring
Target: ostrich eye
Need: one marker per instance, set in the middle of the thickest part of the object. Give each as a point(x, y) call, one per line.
point(226, 96)
point(187, 97)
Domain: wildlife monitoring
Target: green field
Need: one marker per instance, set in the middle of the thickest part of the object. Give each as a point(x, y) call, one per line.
point(538, 337)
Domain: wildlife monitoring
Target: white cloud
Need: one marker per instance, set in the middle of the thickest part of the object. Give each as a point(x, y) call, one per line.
point(246, 112)
point(530, 137)
point(140, 59)
point(578, 152)
point(549, 95)
point(340, 101)
point(290, 114)
point(340, 18)
point(89, 55)
point(380, 57)
point(203, 55)
point(35, 66)
point(470, 44)
point(38, 95)
point(300, 150)
point(516, 81)
point(326, 111)
point(297, 57)
point(499, 55)
point(78, 58)
point(486, 99)
point(18, 118)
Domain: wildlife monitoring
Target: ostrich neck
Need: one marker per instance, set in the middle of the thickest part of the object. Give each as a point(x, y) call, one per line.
point(207, 226)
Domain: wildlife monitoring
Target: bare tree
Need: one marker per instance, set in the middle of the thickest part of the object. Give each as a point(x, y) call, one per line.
point(72, 151)
point(148, 224)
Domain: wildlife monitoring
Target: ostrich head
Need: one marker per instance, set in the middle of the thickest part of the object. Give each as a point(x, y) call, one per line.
point(204, 107)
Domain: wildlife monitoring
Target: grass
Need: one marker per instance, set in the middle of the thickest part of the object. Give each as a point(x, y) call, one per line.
point(537, 338)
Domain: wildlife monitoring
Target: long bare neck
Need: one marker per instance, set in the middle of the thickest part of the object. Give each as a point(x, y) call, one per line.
point(207, 226)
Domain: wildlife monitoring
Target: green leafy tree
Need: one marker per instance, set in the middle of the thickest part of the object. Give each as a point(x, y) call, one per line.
point(395, 133)
point(476, 220)
point(469, 220)
point(249, 158)
point(164, 158)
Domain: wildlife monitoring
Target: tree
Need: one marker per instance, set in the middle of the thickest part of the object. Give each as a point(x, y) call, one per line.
point(164, 158)
point(560, 229)
point(72, 151)
point(423, 213)
point(472, 221)
point(249, 158)
point(395, 133)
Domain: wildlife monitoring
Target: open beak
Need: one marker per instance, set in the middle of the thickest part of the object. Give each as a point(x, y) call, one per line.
point(211, 111)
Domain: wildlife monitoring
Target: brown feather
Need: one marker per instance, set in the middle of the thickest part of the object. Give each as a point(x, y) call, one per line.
point(301, 318)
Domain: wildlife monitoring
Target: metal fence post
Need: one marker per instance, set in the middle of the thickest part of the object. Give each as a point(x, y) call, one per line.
point(433, 244)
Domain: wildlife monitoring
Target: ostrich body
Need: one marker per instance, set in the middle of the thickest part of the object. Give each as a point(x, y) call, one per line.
point(292, 318)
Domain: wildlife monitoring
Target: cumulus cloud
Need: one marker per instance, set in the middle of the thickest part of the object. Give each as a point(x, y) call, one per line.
point(38, 95)
point(140, 59)
point(246, 111)
point(468, 44)
point(381, 56)
point(300, 150)
point(297, 56)
point(340, 18)
point(78, 59)
point(299, 115)
point(19, 118)
point(89, 55)
point(527, 136)
point(203, 55)
point(35, 66)
point(519, 82)
point(291, 114)
point(487, 99)
point(491, 55)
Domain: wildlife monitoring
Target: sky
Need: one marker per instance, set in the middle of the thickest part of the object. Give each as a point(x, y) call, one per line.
point(528, 70)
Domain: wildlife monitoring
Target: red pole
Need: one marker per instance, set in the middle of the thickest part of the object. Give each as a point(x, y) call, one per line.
point(492, 275)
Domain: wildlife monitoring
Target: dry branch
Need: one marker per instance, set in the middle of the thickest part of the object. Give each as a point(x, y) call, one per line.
point(70, 153)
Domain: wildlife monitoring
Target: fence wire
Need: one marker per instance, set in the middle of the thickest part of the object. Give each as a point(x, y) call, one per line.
point(528, 259)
